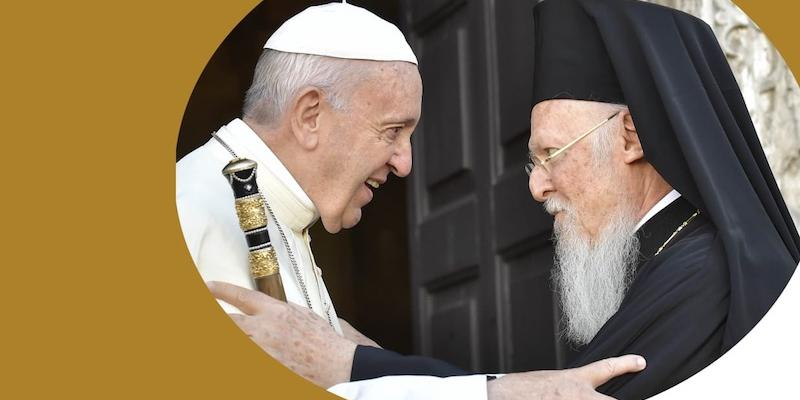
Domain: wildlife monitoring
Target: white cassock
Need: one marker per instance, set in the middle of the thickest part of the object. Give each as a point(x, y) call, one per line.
point(219, 250)
point(211, 229)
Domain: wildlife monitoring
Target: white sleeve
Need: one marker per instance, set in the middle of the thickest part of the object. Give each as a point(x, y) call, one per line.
point(414, 387)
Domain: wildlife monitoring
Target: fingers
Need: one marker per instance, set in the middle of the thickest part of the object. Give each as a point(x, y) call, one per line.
point(248, 301)
point(600, 372)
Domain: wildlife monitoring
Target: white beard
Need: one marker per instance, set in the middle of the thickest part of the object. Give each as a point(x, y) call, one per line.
point(591, 278)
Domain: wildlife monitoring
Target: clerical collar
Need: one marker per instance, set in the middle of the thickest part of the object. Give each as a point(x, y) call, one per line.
point(290, 203)
point(663, 203)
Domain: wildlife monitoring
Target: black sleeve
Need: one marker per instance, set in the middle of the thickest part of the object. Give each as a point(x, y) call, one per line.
point(675, 318)
point(372, 362)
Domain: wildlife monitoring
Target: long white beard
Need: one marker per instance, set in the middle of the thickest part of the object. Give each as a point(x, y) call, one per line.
point(592, 278)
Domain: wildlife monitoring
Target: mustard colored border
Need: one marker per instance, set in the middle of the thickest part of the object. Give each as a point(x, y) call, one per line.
point(100, 297)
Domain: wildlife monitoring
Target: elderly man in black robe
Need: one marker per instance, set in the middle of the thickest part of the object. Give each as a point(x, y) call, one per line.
point(672, 239)
point(714, 244)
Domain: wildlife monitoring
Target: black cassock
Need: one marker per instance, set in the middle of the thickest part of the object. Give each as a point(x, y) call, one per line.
point(675, 311)
point(718, 276)
point(673, 314)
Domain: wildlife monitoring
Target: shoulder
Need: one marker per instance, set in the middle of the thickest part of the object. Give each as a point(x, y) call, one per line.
point(688, 283)
point(695, 262)
point(694, 250)
point(198, 175)
point(203, 195)
point(199, 168)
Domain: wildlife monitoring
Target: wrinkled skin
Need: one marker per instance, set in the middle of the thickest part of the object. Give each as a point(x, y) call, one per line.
point(306, 344)
point(568, 384)
point(295, 336)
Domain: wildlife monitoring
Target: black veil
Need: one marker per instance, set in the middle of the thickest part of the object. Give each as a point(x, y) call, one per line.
point(668, 67)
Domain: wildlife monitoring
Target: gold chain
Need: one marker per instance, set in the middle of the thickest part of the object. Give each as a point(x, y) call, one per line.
point(683, 225)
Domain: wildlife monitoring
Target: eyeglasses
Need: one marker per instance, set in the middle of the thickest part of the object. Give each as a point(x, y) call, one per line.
point(538, 162)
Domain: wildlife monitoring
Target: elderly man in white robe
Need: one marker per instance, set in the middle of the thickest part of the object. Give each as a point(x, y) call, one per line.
point(334, 101)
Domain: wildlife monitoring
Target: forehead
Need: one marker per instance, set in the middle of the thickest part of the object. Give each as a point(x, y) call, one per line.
point(394, 88)
point(555, 121)
point(549, 120)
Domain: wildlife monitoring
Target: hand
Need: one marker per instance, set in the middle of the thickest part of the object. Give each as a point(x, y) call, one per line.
point(355, 336)
point(572, 384)
point(295, 336)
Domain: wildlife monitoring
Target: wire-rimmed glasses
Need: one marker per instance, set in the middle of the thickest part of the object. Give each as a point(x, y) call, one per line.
point(537, 162)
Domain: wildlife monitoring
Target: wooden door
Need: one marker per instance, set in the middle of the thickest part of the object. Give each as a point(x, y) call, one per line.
point(480, 245)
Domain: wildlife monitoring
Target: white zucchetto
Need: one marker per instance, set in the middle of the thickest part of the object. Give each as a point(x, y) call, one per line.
point(344, 31)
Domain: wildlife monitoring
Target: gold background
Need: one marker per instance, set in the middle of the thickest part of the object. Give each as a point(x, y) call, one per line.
point(100, 297)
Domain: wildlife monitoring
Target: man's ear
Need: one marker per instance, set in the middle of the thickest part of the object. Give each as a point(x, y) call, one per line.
point(305, 117)
point(632, 151)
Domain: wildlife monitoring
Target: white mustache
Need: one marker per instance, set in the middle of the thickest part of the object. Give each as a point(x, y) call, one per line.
point(555, 205)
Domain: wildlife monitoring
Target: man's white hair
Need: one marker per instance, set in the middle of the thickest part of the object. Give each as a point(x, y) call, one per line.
point(279, 76)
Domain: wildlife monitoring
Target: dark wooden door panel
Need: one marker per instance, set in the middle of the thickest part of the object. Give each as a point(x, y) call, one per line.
point(479, 244)
point(518, 219)
point(453, 331)
point(442, 63)
point(530, 330)
point(448, 243)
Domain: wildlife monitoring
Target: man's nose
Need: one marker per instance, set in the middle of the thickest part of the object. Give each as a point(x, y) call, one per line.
point(540, 185)
point(401, 161)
